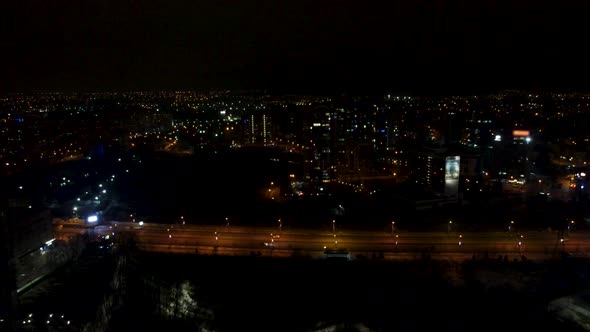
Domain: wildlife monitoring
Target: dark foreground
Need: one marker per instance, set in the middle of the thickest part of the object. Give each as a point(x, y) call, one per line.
point(140, 291)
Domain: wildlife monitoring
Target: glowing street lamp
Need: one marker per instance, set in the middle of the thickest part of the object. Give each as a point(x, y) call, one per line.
point(334, 227)
point(570, 225)
point(562, 242)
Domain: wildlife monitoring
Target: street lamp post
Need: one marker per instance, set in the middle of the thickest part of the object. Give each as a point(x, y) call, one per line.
point(334, 227)
point(280, 226)
point(570, 227)
point(449, 226)
point(272, 243)
point(226, 224)
point(392, 228)
point(562, 241)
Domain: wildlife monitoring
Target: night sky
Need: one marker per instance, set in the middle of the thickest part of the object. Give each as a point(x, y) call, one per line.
point(414, 46)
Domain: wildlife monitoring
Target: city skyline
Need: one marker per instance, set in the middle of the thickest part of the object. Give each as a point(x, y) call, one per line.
point(269, 165)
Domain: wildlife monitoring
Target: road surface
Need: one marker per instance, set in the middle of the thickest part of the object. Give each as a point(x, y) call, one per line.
point(270, 241)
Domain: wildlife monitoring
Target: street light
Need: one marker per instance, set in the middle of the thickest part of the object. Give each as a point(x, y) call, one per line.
point(280, 225)
point(392, 227)
point(460, 239)
point(334, 227)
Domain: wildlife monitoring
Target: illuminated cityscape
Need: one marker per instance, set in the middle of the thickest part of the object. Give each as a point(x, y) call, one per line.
point(501, 137)
point(453, 173)
point(310, 166)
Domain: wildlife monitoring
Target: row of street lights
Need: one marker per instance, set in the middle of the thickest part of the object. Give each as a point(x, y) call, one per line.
point(227, 225)
point(394, 234)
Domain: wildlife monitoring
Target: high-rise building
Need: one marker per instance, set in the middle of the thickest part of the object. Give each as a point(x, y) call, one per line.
point(264, 129)
point(258, 129)
point(442, 170)
point(320, 136)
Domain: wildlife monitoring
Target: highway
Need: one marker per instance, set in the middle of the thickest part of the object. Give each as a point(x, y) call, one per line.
point(270, 241)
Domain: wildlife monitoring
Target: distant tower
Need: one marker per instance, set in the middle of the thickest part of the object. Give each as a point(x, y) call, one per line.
point(320, 137)
point(264, 128)
point(252, 130)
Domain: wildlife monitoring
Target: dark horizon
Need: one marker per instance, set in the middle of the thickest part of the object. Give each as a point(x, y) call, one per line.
point(418, 47)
